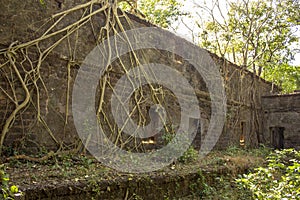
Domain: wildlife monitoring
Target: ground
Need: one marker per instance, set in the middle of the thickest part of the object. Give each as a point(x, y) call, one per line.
point(76, 176)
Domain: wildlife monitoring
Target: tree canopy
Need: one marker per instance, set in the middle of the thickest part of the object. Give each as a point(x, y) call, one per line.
point(159, 12)
point(259, 35)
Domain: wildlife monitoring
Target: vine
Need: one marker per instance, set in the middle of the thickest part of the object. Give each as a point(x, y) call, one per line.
point(21, 66)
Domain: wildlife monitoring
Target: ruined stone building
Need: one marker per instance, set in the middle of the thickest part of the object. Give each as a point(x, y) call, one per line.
point(282, 120)
point(49, 60)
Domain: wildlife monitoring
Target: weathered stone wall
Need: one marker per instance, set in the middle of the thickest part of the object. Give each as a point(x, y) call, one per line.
point(243, 91)
point(53, 127)
point(282, 114)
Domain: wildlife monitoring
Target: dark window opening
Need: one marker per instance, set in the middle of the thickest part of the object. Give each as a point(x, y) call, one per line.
point(277, 137)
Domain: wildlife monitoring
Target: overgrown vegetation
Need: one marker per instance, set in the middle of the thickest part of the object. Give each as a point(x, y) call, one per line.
point(271, 174)
point(280, 179)
point(215, 174)
point(7, 191)
point(227, 165)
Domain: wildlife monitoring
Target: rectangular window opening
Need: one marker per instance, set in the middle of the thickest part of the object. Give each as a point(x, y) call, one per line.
point(242, 134)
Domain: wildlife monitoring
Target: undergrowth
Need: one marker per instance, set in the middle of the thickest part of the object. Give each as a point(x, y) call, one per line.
point(280, 179)
point(8, 191)
point(267, 174)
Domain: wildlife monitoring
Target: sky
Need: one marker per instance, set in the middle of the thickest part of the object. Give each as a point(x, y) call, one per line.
point(187, 27)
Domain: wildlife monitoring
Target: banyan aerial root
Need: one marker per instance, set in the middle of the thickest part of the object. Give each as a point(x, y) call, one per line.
point(22, 71)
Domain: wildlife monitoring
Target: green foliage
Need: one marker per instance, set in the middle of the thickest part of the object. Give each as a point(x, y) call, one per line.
point(222, 187)
point(7, 192)
point(284, 75)
point(261, 151)
point(200, 188)
point(234, 150)
point(159, 12)
point(259, 35)
point(226, 189)
point(168, 136)
point(280, 179)
point(190, 155)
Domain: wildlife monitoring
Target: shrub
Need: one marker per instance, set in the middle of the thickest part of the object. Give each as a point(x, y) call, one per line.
point(280, 179)
point(189, 155)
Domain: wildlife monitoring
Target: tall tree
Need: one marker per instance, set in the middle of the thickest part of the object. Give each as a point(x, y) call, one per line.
point(257, 34)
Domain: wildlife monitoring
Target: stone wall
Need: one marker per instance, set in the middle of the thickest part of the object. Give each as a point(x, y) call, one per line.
point(244, 112)
point(282, 120)
point(47, 121)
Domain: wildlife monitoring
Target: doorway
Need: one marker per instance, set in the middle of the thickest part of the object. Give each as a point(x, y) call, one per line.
point(277, 137)
point(242, 134)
